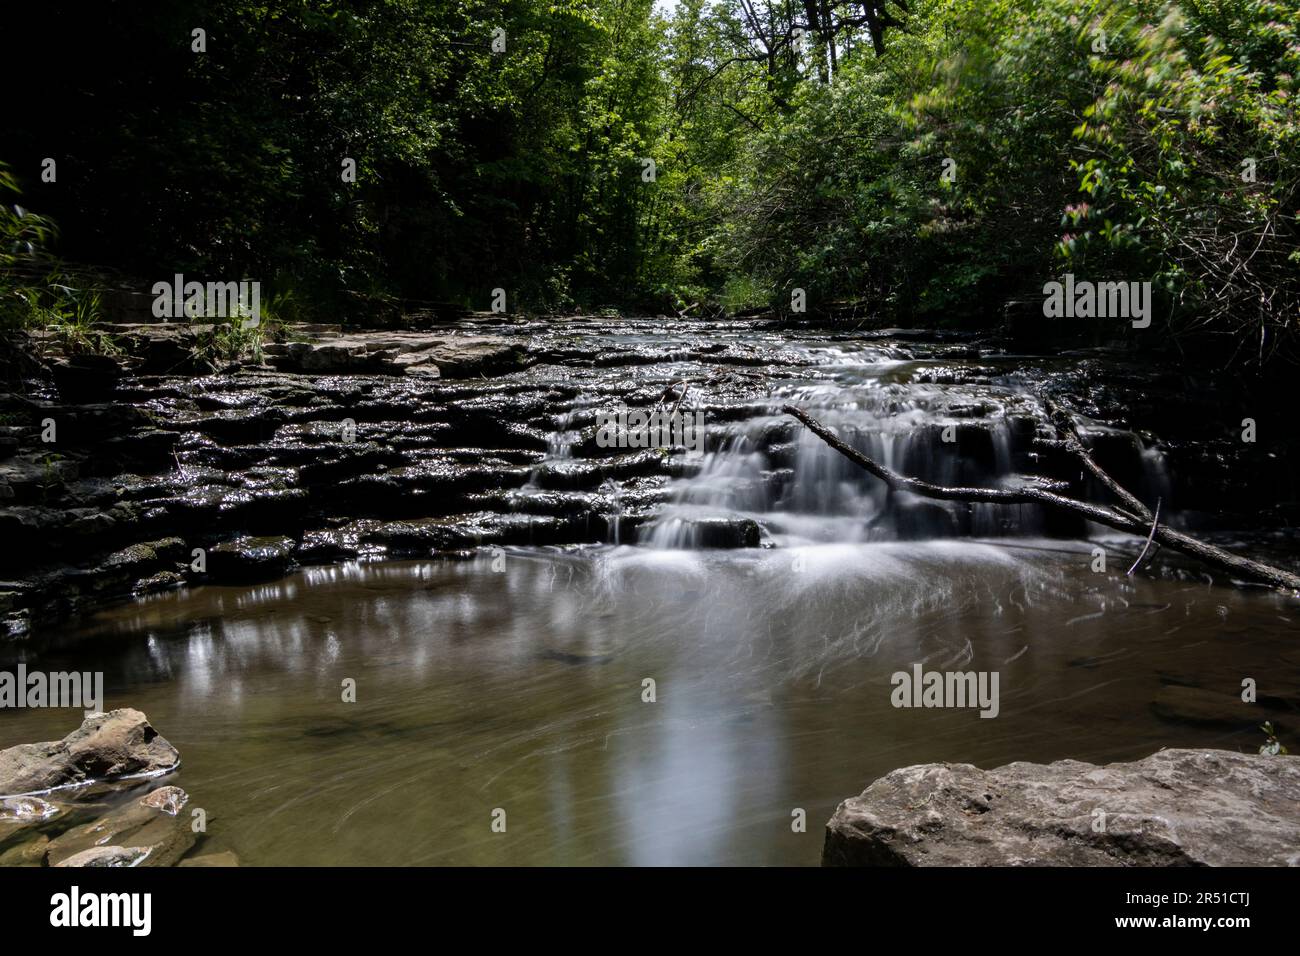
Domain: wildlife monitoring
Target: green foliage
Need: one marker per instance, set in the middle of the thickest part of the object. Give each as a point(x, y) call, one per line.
point(475, 169)
point(50, 477)
point(233, 338)
point(1271, 747)
point(36, 292)
point(1107, 138)
point(70, 315)
point(1190, 164)
point(928, 161)
point(224, 341)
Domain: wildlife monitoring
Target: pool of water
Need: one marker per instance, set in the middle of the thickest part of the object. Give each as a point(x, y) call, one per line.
point(517, 682)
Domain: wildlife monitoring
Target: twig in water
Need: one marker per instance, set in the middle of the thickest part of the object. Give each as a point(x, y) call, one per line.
point(1154, 521)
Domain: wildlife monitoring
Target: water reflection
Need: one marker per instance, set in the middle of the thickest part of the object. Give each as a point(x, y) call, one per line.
point(524, 691)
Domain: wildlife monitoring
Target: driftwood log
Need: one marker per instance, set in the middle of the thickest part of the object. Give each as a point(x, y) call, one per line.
point(1130, 515)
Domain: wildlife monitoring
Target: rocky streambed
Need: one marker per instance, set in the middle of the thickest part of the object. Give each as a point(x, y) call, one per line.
point(135, 475)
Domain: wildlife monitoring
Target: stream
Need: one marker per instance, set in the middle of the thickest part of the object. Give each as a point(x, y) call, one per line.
point(762, 593)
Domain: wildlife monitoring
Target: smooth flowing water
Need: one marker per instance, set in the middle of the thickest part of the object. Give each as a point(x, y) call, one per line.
point(479, 689)
point(661, 704)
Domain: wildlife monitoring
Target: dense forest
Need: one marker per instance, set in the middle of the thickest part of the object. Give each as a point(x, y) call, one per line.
point(917, 160)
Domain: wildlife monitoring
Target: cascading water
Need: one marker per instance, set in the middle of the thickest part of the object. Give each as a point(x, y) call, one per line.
point(764, 478)
point(770, 470)
point(560, 442)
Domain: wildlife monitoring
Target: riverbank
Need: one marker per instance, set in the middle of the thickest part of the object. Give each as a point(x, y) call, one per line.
point(90, 800)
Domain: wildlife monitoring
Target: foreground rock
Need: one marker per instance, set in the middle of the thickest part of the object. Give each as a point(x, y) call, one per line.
point(149, 831)
point(145, 831)
point(249, 559)
point(20, 814)
point(1175, 808)
point(107, 856)
point(106, 746)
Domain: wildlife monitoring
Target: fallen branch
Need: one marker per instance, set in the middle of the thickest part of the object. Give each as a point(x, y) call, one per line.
point(1115, 518)
point(1074, 444)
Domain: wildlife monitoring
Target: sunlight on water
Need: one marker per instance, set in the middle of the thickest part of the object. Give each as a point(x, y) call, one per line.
point(524, 691)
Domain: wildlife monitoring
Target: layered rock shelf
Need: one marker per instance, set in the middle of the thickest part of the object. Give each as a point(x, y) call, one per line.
point(145, 473)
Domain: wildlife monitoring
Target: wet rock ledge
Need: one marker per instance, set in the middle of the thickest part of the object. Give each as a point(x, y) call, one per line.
point(1174, 808)
point(144, 472)
point(151, 470)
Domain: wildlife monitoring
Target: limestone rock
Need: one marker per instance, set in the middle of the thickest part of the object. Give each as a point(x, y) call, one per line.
point(170, 800)
point(251, 558)
point(116, 744)
point(150, 832)
point(107, 856)
point(1174, 808)
point(421, 354)
point(20, 815)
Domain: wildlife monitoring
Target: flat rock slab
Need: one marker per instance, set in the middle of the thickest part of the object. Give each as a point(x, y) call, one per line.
point(1174, 808)
point(150, 831)
point(401, 353)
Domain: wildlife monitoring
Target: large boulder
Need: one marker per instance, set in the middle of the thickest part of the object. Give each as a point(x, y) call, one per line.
point(116, 744)
point(1175, 808)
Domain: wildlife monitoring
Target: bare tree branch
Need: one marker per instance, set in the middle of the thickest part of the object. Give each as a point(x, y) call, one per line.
point(1234, 564)
point(1073, 443)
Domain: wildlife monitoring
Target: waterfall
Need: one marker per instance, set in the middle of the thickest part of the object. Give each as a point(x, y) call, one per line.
point(765, 479)
point(800, 491)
